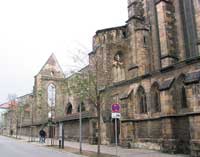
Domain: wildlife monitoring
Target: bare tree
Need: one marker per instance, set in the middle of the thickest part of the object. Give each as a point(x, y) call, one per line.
point(19, 114)
point(86, 87)
point(12, 113)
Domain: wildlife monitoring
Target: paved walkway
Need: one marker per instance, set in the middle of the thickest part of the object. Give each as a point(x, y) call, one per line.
point(122, 152)
point(13, 148)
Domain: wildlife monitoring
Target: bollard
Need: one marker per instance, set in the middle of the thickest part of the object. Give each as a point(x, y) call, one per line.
point(59, 144)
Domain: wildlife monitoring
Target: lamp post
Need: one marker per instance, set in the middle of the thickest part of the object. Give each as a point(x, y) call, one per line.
point(51, 94)
point(80, 117)
point(80, 125)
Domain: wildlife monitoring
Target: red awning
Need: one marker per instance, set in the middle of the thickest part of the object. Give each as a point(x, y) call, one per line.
point(9, 105)
point(5, 106)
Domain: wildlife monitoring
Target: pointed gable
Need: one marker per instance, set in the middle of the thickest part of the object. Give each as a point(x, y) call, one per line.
point(52, 68)
point(51, 60)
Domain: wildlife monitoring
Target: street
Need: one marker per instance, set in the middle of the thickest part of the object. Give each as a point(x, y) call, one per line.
point(21, 148)
point(11, 147)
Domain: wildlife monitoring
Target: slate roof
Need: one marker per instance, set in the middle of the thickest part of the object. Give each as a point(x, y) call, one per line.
point(126, 94)
point(166, 84)
point(192, 77)
point(76, 116)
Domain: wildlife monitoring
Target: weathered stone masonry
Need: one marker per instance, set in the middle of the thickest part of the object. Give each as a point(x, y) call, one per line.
point(159, 67)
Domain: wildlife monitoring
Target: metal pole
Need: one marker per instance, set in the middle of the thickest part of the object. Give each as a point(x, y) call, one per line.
point(20, 124)
point(52, 103)
point(80, 120)
point(60, 135)
point(63, 136)
point(116, 135)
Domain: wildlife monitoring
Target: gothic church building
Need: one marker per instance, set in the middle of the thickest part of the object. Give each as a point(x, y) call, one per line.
point(150, 66)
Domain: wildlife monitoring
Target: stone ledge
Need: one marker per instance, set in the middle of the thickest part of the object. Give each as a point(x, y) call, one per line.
point(111, 29)
point(162, 117)
point(146, 145)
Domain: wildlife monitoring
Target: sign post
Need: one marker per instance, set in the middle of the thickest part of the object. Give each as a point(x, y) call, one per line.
point(116, 115)
point(61, 135)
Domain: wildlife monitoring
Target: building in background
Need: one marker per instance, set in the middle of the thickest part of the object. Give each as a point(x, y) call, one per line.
point(52, 103)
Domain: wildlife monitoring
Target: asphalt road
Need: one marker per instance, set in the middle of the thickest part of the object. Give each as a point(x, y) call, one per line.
point(13, 148)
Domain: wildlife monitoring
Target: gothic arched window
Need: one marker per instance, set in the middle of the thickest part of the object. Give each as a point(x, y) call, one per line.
point(155, 98)
point(51, 114)
point(82, 107)
point(69, 108)
point(180, 99)
point(183, 97)
point(189, 27)
point(157, 101)
point(51, 95)
point(142, 100)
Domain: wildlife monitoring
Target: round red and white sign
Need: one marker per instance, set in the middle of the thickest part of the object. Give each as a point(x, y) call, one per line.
point(115, 108)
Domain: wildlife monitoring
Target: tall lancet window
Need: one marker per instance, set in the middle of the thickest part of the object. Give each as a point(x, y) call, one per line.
point(142, 101)
point(51, 95)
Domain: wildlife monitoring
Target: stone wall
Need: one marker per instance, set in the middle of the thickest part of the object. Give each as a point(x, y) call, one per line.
point(72, 131)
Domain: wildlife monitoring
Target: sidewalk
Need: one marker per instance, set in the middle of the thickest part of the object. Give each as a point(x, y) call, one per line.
point(122, 152)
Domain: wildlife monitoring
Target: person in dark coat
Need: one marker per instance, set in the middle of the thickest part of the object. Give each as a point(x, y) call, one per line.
point(42, 134)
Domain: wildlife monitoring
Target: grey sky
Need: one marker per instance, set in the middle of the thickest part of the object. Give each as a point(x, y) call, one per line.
point(30, 30)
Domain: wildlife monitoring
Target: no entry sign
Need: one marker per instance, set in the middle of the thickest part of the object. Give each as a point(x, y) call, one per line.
point(115, 108)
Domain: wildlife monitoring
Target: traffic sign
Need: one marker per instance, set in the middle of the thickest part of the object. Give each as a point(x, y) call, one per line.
point(116, 115)
point(115, 108)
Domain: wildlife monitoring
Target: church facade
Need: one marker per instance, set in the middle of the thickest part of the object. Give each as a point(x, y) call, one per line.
point(150, 66)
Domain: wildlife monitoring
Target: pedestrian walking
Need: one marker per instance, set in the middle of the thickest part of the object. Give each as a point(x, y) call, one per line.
point(44, 136)
point(42, 133)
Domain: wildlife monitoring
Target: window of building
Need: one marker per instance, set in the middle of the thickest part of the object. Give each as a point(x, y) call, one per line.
point(155, 98)
point(183, 98)
point(69, 108)
point(188, 20)
point(82, 107)
point(51, 95)
point(52, 73)
point(124, 109)
point(51, 114)
point(142, 100)
point(157, 101)
point(180, 93)
point(124, 33)
point(197, 93)
point(145, 41)
point(198, 45)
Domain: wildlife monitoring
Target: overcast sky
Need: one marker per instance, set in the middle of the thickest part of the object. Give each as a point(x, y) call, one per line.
point(30, 30)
